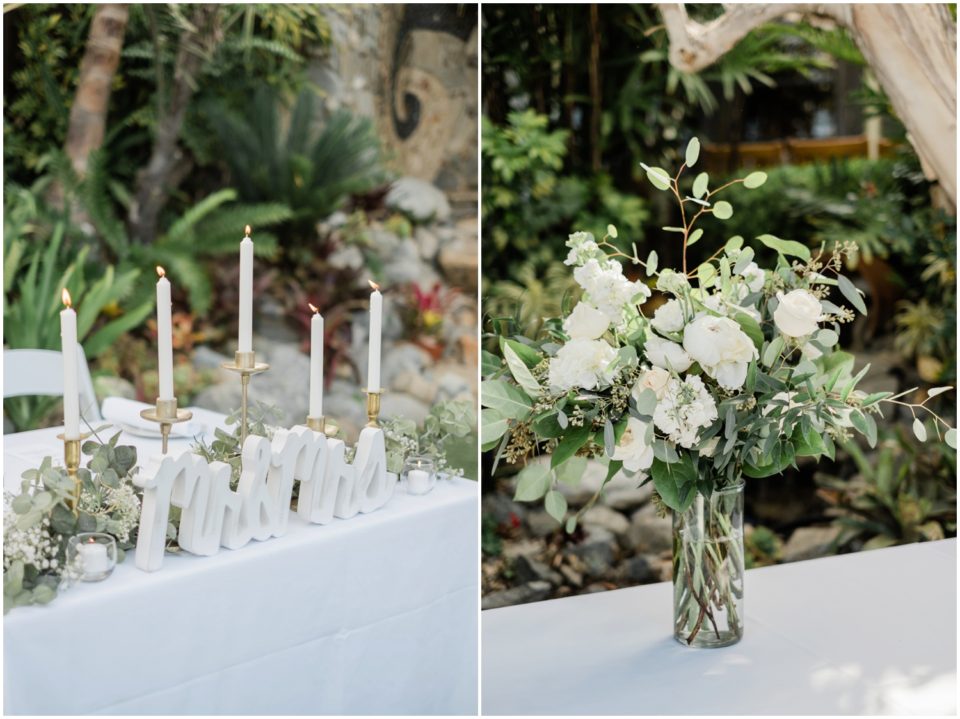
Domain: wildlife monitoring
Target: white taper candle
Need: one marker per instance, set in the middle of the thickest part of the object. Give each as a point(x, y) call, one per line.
point(376, 315)
point(164, 337)
point(316, 364)
point(68, 348)
point(245, 340)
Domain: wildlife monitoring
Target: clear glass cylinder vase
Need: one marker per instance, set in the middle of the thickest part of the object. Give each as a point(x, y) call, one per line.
point(708, 569)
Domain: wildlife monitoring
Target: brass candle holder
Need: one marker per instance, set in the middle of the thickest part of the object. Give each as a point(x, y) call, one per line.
point(245, 364)
point(166, 414)
point(71, 458)
point(317, 424)
point(373, 408)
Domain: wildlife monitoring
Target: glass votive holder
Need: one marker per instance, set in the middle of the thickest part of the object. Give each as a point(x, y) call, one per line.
point(419, 474)
point(91, 556)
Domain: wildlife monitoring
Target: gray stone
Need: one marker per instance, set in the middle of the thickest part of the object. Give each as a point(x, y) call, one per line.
point(502, 509)
point(110, 386)
point(541, 524)
point(640, 570)
point(810, 543)
point(383, 242)
point(347, 257)
point(272, 322)
point(571, 575)
point(529, 592)
point(625, 499)
point(648, 532)
point(404, 265)
point(522, 548)
point(531, 570)
point(607, 518)
point(451, 385)
point(458, 260)
point(416, 384)
point(398, 404)
point(206, 358)
point(402, 358)
point(427, 242)
point(596, 550)
point(223, 398)
point(418, 199)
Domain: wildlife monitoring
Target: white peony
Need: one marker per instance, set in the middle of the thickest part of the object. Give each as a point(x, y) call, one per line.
point(753, 276)
point(666, 354)
point(586, 322)
point(668, 317)
point(797, 313)
point(632, 448)
point(686, 407)
point(607, 289)
point(655, 378)
point(723, 349)
point(582, 363)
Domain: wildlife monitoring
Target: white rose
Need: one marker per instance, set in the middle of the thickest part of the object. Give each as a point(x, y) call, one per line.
point(632, 450)
point(668, 317)
point(666, 354)
point(607, 289)
point(655, 379)
point(797, 313)
point(582, 363)
point(753, 276)
point(723, 349)
point(586, 322)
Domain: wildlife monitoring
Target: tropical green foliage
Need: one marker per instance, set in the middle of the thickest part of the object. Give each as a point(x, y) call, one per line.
point(902, 493)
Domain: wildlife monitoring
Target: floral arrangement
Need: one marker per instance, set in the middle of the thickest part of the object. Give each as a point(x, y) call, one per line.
point(446, 423)
point(39, 521)
point(737, 373)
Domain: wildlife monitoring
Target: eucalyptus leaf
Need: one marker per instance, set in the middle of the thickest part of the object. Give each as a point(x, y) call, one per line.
point(694, 236)
point(919, 430)
point(851, 293)
point(532, 483)
point(786, 247)
point(556, 505)
point(505, 398)
point(521, 373)
point(659, 178)
point(693, 152)
point(700, 184)
point(754, 180)
point(722, 210)
point(652, 262)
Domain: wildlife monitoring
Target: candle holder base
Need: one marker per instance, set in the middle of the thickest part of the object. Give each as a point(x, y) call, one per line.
point(245, 364)
point(167, 415)
point(373, 408)
point(317, 424)
point(71, 460)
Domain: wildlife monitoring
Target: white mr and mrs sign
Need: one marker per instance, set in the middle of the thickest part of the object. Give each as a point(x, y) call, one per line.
point(213, 515)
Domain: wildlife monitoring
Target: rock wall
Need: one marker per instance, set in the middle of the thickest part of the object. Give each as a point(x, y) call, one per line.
point(413, 69)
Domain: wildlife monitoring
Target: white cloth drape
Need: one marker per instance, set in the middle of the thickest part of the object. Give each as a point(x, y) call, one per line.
point(372, 615)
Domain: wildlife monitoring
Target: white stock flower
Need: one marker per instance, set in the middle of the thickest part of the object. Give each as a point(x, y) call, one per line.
point(582, 363)
point(753, 276)
point(655, 379)
point(607, 289)
point(668, 317)
point(686, 407)
point(723, 349)
point(632, 448)
point(586, 322)
point(582, 248)
point(666, 354)
point(797, 313)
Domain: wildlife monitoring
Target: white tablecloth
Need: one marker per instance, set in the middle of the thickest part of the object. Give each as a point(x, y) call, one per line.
point(870, 633)
point(372, 615)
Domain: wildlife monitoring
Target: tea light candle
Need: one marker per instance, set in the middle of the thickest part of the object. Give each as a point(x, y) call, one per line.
point(93, 556)
point(418, 480)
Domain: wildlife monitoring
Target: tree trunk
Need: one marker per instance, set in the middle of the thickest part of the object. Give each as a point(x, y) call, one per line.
point(910, 48)
point(168, 164)
point(88, 114)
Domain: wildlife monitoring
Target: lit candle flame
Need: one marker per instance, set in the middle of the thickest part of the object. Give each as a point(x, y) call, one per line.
point(247, 230)
point(160, 271)
point(374, 285)
point(65, 296)
point(312, 308)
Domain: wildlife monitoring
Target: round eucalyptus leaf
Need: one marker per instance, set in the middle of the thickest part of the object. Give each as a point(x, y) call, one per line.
point(722, 210)
point(700, 185)
point(754, 180)
point(693, 152)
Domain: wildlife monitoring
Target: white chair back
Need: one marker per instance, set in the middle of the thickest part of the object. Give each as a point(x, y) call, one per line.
point(40, 372)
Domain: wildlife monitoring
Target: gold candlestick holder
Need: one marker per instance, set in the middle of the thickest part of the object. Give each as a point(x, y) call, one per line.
point(71, 458)
point(245, 364)
point(167, 415)
point(373, 408)
point(317, 424)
